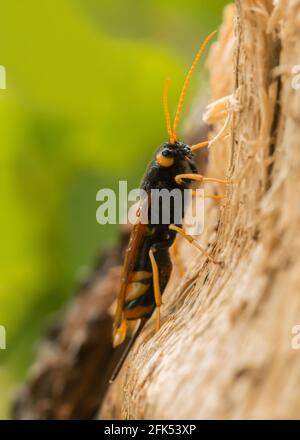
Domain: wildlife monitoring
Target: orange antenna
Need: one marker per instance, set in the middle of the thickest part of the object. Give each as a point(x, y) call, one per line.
point(166, 109)
point(187, 80)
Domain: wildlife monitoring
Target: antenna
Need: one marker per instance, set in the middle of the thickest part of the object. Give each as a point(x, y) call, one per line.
point(187, 80)
point(166, 109)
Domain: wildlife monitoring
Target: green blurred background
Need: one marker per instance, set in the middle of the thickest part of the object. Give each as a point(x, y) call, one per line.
point(82, 110)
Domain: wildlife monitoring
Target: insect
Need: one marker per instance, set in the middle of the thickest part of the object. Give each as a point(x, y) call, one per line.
point(147, 265)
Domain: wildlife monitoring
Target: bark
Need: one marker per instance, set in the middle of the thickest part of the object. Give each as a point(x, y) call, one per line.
point(224, 349)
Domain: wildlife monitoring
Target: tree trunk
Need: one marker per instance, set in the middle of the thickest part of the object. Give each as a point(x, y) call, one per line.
point(225, 348)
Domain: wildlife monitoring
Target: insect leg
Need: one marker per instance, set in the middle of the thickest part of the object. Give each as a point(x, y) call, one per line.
point(198, 146)
point(192, 240)
point(207, 196)
point(180, 177)
point(174, 250)
point(156, 286)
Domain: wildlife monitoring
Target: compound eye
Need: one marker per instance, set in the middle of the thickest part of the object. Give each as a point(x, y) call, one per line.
point(164, 160)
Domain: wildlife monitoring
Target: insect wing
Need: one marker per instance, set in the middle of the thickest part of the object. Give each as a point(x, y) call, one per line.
point(135, 242)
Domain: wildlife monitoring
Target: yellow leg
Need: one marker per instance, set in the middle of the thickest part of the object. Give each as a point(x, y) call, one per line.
point(198, 146)
point(177, 258)
point(180, 177)
point(156, 287)
point(206, 196)
point(193, 242)
point(119, 333)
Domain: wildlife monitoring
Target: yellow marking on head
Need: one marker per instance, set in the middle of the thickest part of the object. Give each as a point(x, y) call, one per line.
point(164, 161)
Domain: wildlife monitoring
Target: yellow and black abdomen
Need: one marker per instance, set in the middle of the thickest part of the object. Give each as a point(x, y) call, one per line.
point(139, 299)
